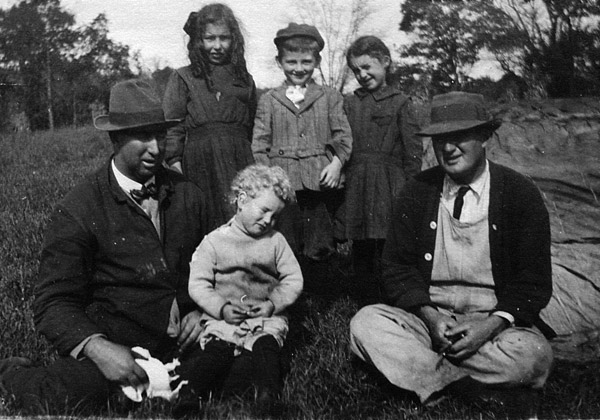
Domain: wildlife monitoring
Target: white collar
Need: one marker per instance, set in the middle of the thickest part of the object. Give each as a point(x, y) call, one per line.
point(477, 185)
point(127, 184)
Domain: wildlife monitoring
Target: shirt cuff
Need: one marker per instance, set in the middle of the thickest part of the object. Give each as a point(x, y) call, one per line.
point(76, 353)
point(505, 315)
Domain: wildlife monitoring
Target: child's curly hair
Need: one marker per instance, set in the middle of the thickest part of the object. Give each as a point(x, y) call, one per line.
point(195, 26)
point(255, 178)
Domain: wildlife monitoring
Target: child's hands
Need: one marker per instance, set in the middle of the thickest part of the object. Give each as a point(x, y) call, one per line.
point(331, 174)
point(234, 314)
point(264, 309)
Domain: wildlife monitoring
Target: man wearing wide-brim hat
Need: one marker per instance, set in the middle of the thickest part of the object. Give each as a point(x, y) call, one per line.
point(466, 271)
point(114, 268)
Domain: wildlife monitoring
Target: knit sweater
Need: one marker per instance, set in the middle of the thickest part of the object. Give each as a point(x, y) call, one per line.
point(231, 266)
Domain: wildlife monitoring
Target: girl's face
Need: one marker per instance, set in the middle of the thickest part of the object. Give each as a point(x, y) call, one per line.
point(216, 43)
point(258, 215)
point(369, 71)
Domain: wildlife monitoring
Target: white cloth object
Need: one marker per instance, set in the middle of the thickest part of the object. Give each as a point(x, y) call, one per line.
point(295, 94)
point(160, 377)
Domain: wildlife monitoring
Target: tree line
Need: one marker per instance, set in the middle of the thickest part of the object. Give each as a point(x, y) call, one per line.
point(55, 73)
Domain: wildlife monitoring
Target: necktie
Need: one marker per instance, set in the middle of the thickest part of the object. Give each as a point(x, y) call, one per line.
point(147, 191)
point(458, 203)
point(146, 197)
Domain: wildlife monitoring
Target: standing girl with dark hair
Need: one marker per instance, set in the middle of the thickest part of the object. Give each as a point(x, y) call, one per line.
point(385, 154)
point(216, 98)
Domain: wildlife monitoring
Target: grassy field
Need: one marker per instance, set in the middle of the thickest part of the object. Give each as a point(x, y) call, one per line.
point(324, 381)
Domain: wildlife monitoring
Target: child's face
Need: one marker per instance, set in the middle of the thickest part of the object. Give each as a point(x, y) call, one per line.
point(298, 67)
point(258, 215)
point(216, 42)
point(369, 71)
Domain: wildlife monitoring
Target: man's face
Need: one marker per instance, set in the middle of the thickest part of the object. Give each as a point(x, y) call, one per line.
point(298, 67)
point(139, 154)
point(461, 154)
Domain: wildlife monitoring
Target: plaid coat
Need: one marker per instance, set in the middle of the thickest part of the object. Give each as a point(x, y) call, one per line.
point(302, 141)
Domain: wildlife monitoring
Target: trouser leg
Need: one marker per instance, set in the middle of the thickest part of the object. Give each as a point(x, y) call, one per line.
point(65, 385)
point(267, 365)
point(517, 357)
point(397, 343)
point(203, 368)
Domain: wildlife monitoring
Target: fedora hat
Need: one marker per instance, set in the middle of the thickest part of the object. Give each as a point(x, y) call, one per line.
point(299, 29)
point(133, 104)
point(458, 111)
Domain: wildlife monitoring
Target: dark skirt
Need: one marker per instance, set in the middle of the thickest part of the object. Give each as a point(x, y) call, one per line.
point(213, 155)
point(373, 181)
point(310, 226)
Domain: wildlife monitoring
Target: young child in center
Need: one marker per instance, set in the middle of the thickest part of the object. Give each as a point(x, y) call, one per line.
point(385, 154)
point(215, 98)
point(244, 276)
point(301, 126)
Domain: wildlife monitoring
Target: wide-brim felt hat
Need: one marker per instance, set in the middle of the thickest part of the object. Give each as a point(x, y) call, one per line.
point(299, 29)
point(133, 104)
point(458, 111)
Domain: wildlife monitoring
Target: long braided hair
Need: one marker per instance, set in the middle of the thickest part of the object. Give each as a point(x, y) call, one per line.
point(195, 26)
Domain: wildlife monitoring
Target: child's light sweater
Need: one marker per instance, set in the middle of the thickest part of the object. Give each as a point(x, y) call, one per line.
point(231, 266)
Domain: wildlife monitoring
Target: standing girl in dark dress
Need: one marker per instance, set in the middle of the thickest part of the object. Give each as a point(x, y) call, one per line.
point(385, 154)
point(216, 98)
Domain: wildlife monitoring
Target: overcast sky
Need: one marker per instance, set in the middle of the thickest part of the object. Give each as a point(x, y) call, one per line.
point(154, 28)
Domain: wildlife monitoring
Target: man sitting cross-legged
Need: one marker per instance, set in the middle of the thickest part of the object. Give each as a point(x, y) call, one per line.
point(466, 270)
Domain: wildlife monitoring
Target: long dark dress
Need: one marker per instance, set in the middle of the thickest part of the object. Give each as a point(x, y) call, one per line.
point(385, 152)
point(213, 141)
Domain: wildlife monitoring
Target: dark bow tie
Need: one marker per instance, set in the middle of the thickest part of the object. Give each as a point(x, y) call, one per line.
point(147, 191)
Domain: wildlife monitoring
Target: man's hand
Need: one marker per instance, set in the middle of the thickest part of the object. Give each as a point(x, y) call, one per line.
point(264, 309)
point(190, 330)
point(115, 361)
point(438, 324)
point(234, 314)
point(474, 334)
point(331, 174)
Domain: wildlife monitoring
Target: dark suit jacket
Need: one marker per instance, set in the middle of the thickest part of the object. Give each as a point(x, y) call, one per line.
point(519, 232)
point(104, 268)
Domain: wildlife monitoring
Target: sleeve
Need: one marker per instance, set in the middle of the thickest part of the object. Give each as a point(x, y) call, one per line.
point(262, 137)
point(175, 107)
point(252, 105)
point(201, 285)
point(290, 277)
point(527, 285)
point(62, 292)
point(403, 283)
point(341, 134)
point(413, 146)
